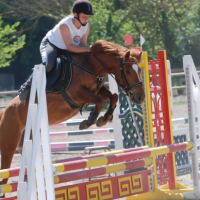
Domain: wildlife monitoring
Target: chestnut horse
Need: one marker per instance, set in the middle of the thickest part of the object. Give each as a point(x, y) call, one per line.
point(104, 58)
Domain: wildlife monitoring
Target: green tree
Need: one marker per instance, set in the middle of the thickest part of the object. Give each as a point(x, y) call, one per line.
point(9, 43)
point(165, 24)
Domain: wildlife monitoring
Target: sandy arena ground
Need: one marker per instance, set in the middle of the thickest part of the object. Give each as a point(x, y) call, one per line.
point(179, 110)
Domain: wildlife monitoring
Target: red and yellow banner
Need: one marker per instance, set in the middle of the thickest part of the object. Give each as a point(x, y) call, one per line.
point(109, 188)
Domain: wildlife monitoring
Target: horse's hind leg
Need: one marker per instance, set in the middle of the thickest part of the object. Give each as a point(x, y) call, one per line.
point(10, 135)
point(21, 142)
point(106, 94)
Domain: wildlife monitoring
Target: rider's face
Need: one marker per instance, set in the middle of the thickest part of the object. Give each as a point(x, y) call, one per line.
point(84, 18)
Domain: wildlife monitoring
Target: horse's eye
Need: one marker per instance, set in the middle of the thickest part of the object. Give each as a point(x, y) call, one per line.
point(128, 72)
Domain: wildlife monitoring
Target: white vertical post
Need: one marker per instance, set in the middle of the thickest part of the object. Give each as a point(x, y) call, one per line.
point(117, 127)
point(44, 128)
point(187, 65)
point(27, 147)
point(35, 157)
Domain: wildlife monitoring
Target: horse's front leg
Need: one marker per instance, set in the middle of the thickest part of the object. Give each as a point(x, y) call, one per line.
point(86, 96)
point(106, 94)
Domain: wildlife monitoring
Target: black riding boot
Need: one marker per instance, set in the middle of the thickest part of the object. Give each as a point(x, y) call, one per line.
point(25, 89)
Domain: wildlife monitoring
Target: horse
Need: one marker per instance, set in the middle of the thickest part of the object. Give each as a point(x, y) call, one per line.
point(105, 58)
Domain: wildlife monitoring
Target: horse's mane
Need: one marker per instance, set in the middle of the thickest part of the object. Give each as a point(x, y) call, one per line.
point(102, 46)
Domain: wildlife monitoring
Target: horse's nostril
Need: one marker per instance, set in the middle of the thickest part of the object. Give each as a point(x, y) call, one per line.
point(139, 98)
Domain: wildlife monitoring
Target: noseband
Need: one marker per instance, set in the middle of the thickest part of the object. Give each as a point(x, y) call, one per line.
point(126, 86)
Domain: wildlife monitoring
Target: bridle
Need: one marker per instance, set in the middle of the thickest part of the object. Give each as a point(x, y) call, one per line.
point(127, 88)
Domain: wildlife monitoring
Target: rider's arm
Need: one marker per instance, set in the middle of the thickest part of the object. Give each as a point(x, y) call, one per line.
point(65, 32)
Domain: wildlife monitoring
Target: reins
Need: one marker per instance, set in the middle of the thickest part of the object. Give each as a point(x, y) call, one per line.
point(103, 66)
point(100, 78)
point(80, 67)
point(126, 86)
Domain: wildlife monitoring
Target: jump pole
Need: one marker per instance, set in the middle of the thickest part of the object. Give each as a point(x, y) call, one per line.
point(106, 160)
point(83, 132)
point(111, 159)
point(86, 174)
point(13, 172)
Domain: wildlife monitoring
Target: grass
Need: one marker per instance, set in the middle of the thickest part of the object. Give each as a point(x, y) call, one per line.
point(180, 103)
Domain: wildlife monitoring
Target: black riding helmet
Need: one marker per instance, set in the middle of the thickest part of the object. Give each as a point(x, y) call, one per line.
point(82, 6)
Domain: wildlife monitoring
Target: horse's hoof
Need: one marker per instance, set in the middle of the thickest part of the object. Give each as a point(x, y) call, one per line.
point(100, 122)
point(83, 125)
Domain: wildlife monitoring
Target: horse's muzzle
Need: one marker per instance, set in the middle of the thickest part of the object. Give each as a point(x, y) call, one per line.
point(137, 97)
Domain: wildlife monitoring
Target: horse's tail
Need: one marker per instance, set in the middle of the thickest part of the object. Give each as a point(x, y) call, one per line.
point(1, 113)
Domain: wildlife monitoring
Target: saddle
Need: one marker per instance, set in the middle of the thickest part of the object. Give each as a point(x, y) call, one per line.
point(59, 78)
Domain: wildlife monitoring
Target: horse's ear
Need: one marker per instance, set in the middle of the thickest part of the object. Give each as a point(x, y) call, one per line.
point(137, 54)
point(139, 58)
point(126, 57)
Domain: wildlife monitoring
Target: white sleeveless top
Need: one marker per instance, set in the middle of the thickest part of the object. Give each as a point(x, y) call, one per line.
point(55, 36)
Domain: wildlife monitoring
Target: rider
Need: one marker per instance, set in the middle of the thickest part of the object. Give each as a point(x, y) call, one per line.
point(69, 34)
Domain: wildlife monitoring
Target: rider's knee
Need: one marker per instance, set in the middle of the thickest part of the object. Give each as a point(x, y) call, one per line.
point(49, 68)
point(50, 63)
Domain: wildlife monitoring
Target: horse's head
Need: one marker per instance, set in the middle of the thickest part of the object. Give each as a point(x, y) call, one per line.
point(124, 64)
point(128, 77)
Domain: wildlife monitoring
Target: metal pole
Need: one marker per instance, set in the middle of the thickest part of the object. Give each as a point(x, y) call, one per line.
point(134, 121)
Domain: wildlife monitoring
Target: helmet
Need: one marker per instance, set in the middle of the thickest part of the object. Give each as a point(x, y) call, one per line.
point(82, 6)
